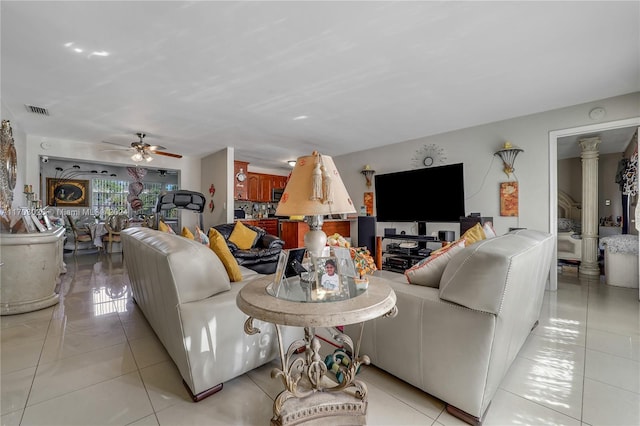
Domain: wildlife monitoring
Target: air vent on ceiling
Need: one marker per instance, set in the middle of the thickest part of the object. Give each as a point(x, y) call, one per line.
point(37, 110)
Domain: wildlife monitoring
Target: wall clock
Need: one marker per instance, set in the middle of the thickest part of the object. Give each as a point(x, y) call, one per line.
point(429, 156)
point(240, 176)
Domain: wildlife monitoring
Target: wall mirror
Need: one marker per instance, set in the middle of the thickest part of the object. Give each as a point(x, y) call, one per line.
point(8, 167)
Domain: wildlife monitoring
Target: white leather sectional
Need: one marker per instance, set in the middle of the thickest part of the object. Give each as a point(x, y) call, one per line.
point(456, 342)
point(185, 294)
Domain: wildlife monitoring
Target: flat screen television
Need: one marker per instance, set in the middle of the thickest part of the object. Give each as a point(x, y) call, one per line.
point(432, 194)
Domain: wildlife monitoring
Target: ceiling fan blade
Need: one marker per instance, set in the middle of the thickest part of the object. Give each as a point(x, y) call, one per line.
point(155, 147)
point(167, 154)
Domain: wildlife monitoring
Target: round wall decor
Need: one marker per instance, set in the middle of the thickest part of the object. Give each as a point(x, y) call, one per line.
point(429, 156)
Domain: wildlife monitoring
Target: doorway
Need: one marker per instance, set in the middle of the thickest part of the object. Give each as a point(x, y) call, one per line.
point(553, 174)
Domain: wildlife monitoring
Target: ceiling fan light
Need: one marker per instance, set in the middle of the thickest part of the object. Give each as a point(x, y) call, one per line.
point(148, 158)
point(137, 157)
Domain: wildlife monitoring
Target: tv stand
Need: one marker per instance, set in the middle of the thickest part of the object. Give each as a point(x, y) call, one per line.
point(400, 257)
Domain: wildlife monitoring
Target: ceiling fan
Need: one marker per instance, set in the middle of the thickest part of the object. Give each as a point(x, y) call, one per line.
point(143, 151)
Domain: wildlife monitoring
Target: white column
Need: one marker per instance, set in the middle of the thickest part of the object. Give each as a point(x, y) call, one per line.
point(589, 263)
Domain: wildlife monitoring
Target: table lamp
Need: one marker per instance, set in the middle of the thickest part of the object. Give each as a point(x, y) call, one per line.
point(314, 190)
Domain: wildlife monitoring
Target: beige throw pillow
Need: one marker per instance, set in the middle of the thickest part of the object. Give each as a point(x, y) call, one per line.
point(428, 272)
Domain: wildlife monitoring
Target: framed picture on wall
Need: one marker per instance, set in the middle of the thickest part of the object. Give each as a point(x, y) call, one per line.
point(509, 199)
point(67, 192)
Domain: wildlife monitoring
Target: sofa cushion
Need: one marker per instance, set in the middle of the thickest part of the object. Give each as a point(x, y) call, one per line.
point(489, 232)
point(165, 228)
point(200, 236)
point(157, 258)
point(218, 244)
point(243, 237)
point(429, 271)
point(187, 233)
point(478, 275)
point(474, 234)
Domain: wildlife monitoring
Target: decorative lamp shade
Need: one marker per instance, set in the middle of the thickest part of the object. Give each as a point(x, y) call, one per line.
point(315, 188)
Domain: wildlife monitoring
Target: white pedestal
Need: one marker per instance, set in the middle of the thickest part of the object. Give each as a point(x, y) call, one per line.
point(621, 269)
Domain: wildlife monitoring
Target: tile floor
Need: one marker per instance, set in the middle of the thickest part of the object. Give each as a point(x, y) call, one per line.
point(93, 360)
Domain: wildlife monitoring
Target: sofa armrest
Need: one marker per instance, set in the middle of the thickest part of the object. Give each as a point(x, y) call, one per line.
point(271, 241)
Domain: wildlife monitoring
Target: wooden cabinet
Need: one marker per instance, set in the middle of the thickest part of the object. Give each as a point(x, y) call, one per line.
point(279, 182)
point(266, 185)
point(257, 186)
point(253, 184)
point(269, 225)
point(292, 232)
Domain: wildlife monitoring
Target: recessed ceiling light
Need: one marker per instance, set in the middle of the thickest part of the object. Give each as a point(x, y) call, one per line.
point(292, 163)
point(100, 53)
point(300, 117)
point(68, 44)
point(77, 50)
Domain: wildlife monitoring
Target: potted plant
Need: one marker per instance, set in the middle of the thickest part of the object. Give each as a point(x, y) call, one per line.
point(364, 264)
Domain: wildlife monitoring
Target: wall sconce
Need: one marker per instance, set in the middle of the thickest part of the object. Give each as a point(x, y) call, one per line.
point(368, 172)
point(508, 155)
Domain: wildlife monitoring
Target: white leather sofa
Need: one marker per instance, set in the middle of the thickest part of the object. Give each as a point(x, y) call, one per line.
point(183, 290)
point(456, 342)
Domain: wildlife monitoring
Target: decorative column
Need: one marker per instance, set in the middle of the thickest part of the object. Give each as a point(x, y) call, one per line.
point(589, 263)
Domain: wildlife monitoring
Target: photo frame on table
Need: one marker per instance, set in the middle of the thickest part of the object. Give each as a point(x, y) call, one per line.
point(47, 221)
point(67, 192)
point(37, 223)
point(289, 270)
point(28, 222)
point(327, 276)
point(344, 261)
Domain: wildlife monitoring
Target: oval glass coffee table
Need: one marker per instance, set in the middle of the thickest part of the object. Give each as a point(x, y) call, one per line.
point(310, 393)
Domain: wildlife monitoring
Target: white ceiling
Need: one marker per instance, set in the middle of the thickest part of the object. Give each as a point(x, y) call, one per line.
point(199, 76)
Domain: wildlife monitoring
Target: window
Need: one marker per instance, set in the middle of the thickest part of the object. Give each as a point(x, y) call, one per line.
point(110, 197)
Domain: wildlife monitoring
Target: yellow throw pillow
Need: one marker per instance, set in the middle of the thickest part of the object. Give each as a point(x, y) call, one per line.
point(220, 248)
point(165, 228)
point(187, 234)
point(242, 237)
point(474, 234)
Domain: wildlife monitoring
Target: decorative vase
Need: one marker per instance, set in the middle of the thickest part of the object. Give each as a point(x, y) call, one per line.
point(362, 283)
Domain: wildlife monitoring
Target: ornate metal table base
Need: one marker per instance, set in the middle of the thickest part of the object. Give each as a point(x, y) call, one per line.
point(309, 392)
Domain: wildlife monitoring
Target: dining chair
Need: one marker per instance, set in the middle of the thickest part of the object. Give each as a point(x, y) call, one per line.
point(114, 225)
point(80, 234)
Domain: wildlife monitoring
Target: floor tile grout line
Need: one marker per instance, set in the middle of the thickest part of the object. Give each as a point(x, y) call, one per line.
point(35, 372)
point(541, 405)
point(586, 342)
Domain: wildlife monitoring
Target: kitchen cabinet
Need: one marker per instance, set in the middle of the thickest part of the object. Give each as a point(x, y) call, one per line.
point(292, 231)
point(253, 184)
point(255, 187)
point(269, 225)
